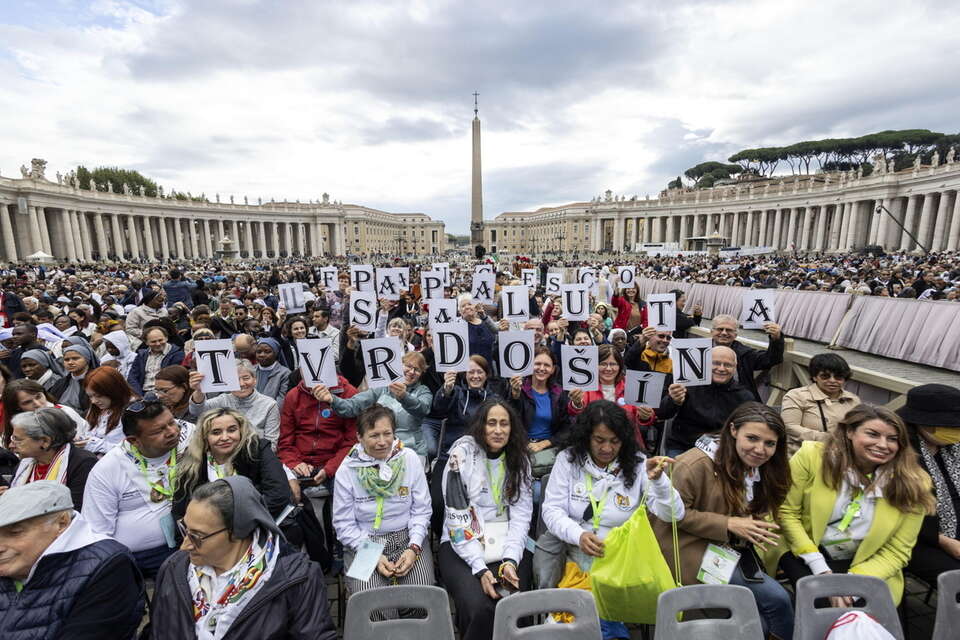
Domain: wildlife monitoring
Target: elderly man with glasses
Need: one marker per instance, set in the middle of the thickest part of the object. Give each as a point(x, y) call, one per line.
point(702, 409)
point(129, 492)
point(749, 360)
point(59, 579)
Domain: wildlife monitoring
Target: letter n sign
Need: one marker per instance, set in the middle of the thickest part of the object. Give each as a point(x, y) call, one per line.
point(692, 361)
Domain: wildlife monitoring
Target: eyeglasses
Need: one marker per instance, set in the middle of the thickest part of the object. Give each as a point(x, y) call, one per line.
point(164, 390)
point(140, 406)
point(196, 539)
point(724, 330)
point(666, 338)
point(609, 365)
point(826, 375)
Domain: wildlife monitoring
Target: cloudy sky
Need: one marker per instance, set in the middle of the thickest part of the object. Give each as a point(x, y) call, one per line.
point(371, 100)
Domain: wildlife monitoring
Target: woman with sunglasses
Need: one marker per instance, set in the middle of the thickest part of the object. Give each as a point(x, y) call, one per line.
point(225, 444)
point(813, 411)
point(234, 575)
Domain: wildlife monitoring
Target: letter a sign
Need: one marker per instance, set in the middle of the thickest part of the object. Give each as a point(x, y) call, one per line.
point(580, 367)
point(692, 361)
point(215, 360)
point(758, 307)
point(317, 365)
point(451, 346)
point(482, 289)
point(382, 361)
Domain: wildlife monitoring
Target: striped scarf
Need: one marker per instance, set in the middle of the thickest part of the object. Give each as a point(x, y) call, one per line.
point(57, 471)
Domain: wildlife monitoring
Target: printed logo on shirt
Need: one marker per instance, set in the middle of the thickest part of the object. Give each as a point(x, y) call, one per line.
point(580, 490)
point(403, 492)
point(622, 502)
point(461, 534)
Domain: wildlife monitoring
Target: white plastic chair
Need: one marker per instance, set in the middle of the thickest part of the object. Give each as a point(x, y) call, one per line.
point(743, 623)
point(585, 626)
point(813, 624)
point(437, 624)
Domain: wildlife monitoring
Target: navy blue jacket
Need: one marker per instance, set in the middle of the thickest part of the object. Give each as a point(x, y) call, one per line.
point(94, 592)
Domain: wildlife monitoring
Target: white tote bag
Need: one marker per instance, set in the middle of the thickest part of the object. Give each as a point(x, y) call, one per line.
point(857, 625)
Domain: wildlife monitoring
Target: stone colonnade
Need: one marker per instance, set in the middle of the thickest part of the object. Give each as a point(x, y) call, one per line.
point(932, 218)
point(77, 234)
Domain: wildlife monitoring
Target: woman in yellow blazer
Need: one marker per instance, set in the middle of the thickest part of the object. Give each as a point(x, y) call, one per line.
point(856, 502)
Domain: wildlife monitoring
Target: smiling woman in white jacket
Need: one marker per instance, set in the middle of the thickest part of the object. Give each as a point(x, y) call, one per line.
point(381, 498)
point(488, 503)
point(595, 485)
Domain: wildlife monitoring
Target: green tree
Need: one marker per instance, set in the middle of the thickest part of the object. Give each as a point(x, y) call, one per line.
point(117, 178)
point(675, 184)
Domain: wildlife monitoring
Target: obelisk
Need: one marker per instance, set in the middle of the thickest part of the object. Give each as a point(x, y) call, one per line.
point(476, 199)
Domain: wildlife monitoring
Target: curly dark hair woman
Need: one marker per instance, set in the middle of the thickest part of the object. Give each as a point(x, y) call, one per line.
point(517, 458)
point(609, 414)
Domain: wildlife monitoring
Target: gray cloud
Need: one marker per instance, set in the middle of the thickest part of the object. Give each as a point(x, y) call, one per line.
point(408, 130)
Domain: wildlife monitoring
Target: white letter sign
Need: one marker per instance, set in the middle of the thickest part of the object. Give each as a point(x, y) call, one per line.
point(579, 366)
point(692, 361)
point(431, 284)
point(451, 346)
point(627, 277)
point(483, 268)
point(576, 301)
point(443, 267)
point(758, 306)
point(529, 278)
point(554, 282)
point(291, 297)
point(516, 303)
point(361, 277)
point(482, 289)
point(440, 311)
point(215, 360)
point(328, 278)
point(662, 311)
point(317, 363)
point(516, 353)
point(382, 361)
point(363, 310)
point(390, 282)
point(644, 388)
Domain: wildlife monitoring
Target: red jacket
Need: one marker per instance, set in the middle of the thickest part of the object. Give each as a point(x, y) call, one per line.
point(635, 420)
point(624, 309)
point(307, 436)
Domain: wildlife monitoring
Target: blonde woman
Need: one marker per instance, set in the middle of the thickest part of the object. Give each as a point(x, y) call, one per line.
point(856, 502)
point(226, 444)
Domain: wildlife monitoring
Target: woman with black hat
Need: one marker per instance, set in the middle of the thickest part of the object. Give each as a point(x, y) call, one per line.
point(235, 576)
point(933, 423)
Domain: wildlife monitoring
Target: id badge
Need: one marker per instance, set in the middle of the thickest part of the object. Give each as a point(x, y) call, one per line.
point(365, 561)
point(841, 549)
point(718, 565)
point(169, 529)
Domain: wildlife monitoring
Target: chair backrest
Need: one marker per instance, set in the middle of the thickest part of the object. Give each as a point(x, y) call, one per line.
point(437, 624)
point(585, 626)
point(541, 525)
point(948, 609)
point(743, 623)
point(813, 624)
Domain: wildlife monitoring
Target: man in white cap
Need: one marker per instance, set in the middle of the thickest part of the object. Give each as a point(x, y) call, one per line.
point(58, 579)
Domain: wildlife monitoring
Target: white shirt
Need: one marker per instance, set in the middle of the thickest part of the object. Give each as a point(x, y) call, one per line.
point(332, 334)
point(101, 440)
point(566, 499)
point(859, 526)
point(354, 509)
point(115, 503)
point(474, 472)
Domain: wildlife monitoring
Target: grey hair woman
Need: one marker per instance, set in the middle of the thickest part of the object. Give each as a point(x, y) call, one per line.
point(262, 411)
point(42, 439)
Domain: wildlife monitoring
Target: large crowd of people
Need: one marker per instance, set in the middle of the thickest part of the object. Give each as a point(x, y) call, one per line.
point(121, 477)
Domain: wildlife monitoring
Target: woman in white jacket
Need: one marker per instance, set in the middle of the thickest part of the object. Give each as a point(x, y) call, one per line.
point(488, 505)
point(381, 498)
point(597, 484)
